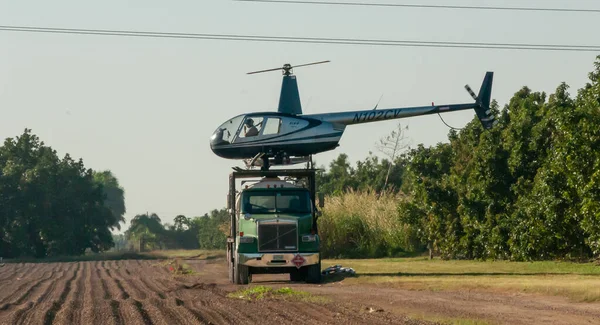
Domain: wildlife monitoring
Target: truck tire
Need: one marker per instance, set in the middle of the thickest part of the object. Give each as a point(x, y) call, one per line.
point(313, 274)
point(241, 274)
point(297, 275)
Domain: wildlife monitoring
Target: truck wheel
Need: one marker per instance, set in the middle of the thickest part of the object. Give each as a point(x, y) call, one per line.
point(313, 274)
point(297, 275)
point(242, 275)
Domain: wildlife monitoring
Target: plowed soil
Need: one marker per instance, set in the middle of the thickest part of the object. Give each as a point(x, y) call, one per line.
point(147, 292)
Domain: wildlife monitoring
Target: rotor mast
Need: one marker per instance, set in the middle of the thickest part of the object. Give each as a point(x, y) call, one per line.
point(289, 98)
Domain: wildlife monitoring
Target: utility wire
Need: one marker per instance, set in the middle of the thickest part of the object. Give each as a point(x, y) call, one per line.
point(276, 38)
point(312, 40)
point(367, 4)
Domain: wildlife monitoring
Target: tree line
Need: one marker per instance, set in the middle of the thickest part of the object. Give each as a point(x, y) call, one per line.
point(527, 189)
point(51, 206)
point(147, 232)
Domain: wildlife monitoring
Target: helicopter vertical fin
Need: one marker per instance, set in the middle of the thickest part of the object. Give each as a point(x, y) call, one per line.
point(483, 111)
point(289, 100)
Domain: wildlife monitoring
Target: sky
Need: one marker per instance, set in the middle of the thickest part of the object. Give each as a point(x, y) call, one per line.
point(145, 108)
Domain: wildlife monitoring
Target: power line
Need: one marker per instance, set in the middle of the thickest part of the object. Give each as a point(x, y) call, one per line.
point(311, 40)
point(366, 4)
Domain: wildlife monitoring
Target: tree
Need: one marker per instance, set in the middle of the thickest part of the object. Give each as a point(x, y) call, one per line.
point(338, 179)
point(370, 173)
point(213, 229)
point(588, 101)
point(391, 145)
point(183, 234)
point(432, 207)
point(114, 194)
point(181, 223)
point(49, 206)
point(147, 230)
point(525, 190)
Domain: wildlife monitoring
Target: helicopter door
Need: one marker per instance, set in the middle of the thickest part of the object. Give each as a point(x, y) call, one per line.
point(272, 126)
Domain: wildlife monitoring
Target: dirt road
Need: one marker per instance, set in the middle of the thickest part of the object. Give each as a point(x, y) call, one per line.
point(147, 292)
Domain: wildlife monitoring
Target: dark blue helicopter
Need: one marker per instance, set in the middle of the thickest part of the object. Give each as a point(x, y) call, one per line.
point(289, 137)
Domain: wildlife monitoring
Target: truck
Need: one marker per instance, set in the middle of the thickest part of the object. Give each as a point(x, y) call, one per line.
point(273, 225)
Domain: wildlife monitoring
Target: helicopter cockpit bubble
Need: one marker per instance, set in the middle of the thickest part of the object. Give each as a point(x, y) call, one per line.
point(225, 133)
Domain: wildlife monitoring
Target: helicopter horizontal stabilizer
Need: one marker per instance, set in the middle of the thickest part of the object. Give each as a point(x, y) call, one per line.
point(482, 100)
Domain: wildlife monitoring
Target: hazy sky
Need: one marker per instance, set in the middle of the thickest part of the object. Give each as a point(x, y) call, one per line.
point(145, 107)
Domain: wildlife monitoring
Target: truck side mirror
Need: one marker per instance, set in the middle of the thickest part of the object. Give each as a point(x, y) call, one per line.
point(228, 202)
point(321, 200)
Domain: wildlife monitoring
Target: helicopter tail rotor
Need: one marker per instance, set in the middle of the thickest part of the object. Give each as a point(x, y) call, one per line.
point(483, 111)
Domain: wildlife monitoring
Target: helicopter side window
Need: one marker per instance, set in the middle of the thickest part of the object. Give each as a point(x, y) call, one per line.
point(252, 127)
point(272, 126)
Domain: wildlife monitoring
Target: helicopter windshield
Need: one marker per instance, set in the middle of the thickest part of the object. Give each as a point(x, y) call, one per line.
point(225, 133)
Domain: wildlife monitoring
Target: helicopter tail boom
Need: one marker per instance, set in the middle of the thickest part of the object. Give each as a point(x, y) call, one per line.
point(481, 107)
point(375, 115)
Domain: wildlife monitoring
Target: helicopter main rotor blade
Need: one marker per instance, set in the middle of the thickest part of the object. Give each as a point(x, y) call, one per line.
point(268, 70)
point(287, 67)
point(303, 65)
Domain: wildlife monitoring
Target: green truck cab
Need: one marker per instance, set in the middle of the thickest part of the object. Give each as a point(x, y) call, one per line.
point(273, 225)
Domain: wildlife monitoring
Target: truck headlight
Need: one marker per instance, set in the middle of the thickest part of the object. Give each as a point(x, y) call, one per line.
point(309, 238)
point(246, 240)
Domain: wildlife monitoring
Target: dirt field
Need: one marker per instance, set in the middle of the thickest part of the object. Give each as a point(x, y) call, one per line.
point(147, 292)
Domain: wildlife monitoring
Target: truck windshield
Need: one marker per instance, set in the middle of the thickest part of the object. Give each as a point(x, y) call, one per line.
point(276, 202)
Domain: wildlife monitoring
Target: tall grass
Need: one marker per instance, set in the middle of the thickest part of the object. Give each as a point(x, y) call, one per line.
point(360, 224)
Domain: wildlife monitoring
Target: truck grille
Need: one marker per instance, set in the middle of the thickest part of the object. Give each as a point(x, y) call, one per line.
point(277, 236)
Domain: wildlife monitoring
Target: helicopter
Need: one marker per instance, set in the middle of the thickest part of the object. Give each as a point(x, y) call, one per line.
point(288, 136)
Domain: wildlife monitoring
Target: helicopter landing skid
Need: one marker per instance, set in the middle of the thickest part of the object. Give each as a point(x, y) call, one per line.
point(265, 162)
point(250, 163)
